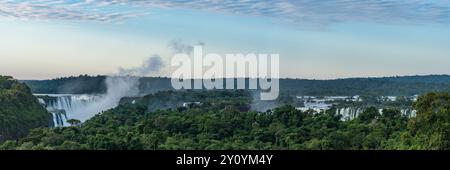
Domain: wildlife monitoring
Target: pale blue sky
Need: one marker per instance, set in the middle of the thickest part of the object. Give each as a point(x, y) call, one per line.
point(42, 39)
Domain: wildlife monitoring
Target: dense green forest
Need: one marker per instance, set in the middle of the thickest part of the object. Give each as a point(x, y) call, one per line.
point(20, 111)
point(82, 84)
point(383, 86)
point(222, 120)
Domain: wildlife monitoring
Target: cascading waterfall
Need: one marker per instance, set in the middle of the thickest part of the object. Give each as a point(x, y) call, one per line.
point(83, 107)
point(59, 119)
point(350, 113)
point(409, 112)
point(68, 106)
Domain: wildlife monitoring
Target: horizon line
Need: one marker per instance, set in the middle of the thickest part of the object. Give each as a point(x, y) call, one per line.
point(295, 78)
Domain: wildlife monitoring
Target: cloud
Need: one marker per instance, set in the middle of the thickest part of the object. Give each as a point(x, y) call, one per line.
point(62, 10)
point(178, 46)
point(317, 12)
point(150, 66)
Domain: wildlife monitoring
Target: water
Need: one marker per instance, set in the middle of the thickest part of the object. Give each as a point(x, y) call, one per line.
point(350, 113)
point(318, 107)
point(71, 106)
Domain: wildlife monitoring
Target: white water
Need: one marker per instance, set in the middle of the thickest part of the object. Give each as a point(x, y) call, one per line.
point(83, 107)
point(350, 113)
point(71, 106)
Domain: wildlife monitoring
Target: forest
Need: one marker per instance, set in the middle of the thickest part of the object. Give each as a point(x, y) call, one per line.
point(382, 86)
point(20, 111)
point(221, 120)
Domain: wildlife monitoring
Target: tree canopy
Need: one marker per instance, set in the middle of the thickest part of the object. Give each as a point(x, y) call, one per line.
point(223, 121)
point(20, 111)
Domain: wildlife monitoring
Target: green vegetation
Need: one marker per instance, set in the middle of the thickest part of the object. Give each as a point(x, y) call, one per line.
point(432, 126)
point(223, 121)
point(82, 84)
point(74, 122)
point(20, 111)
point(383, 86)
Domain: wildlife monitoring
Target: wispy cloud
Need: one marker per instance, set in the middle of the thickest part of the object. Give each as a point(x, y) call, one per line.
point(86, 10)
point(295, 11)
point(178, 46)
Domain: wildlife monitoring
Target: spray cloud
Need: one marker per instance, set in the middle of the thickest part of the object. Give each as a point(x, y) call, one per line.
point(123, 84)
point(150, 66)
point(126, 82)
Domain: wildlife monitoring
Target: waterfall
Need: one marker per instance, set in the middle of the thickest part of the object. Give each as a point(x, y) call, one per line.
point(59, 119)
point(84, 106)
point(349, 113)
point(408, 112)
point(67, 106)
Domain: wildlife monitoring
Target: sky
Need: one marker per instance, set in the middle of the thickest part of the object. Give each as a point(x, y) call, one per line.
point(327, 39)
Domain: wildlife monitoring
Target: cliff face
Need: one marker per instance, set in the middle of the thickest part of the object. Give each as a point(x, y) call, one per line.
point(20, 111)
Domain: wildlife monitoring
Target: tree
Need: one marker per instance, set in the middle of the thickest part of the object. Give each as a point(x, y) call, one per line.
point(432, 123)
point(20, 110)
point(219, 124)
point(369, 114)
point(390, 113)
point(74, 122)
point(8, 145)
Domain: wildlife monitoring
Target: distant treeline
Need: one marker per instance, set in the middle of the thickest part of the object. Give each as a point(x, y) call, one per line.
point(82, 84)
point(392, 86)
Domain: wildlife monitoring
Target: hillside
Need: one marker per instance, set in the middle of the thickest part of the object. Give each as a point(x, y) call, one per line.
point(20, 111)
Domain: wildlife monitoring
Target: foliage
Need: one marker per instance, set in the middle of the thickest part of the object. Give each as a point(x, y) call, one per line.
point(383, 86)
point(20, 111)
point(74, 122)
point(82, 84)
point(431, 127)
point(222, 119)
